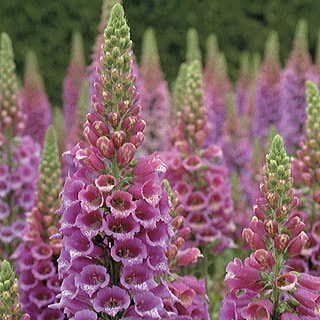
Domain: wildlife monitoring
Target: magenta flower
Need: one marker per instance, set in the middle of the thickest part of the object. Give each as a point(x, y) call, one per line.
point(146, 214)
point(111, 300)
point(90, 198)
point(147, 304)
point(261, 309)
point(121, 228)
point(41, 296)
point(130, 251)
point(92, 278)
point(137, 277)
point(85, 315)
point(121, 204)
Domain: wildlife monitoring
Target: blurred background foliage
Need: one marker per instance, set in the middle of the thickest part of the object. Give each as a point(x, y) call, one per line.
point(46, 27)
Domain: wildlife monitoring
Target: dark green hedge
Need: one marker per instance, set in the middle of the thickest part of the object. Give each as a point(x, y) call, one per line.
point(46, 27)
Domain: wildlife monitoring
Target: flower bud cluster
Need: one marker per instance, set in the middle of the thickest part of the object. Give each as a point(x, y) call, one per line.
point(11, 116)
point(37, 256)
point(262, 285)
point(192, 127)
point(9, 301)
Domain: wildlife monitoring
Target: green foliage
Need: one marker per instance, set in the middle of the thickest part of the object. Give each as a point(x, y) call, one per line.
point(278, 170)
point(46, 27)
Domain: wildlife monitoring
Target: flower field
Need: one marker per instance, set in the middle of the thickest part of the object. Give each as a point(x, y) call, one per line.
point(138, 199)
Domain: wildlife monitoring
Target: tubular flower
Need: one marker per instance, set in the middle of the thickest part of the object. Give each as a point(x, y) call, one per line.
point(72, 86)
point(305, 168)
point(261, 286)
point(268, 104)
point(34, 101)
point(293, 99)
point(37, 255)
point(216, 88)
point(19, 157)
point(154, 96)
point(115, 212)
point(197, 174)
point(9, 306)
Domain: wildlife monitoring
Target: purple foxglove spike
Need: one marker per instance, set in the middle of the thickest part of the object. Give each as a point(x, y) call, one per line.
point(216, 88)
point(72, 85)
point(243, 84)
point(154, 96)
point(115, 212)
point(111, 300)
point(34, 101)
point(268, 94)
point(293, 97)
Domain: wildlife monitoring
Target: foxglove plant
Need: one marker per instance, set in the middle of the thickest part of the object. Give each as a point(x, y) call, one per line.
point(72, 85)
point(268, 104)
point(261, 286)
point(10, 308)
point(293, 99)
point(305, 168)
point(34, 101)
point(216, 87)
point(238, 153)
point(115, 212)
point(197, 174)
point(154, 96)
point(243, 84)
point(19, 156)
point(37, 255)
